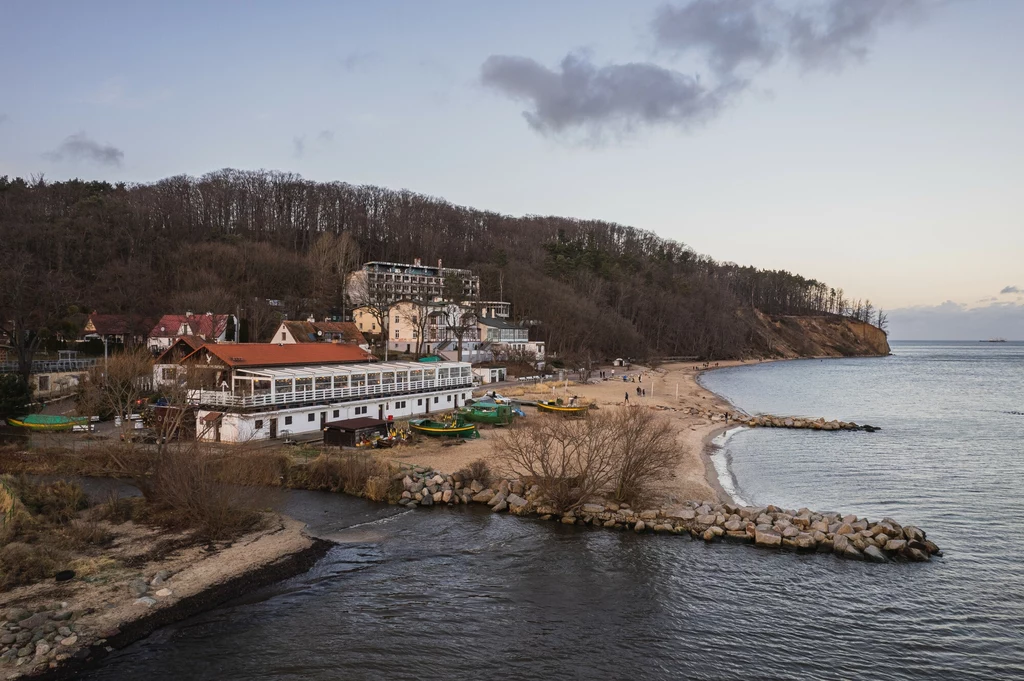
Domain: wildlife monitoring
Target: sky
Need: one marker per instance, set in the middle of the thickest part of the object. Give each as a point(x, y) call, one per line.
point(875, 145)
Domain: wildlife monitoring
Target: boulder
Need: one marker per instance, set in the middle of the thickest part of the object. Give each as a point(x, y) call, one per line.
point(916, 555)
point(446, 496)
point(436, 497)
point(840, 543)
point(845, 528)
point(849, 519)
point(896, 545)
point(735, 526)
point(407, 482)
point(820, 525)
point(648, 515)
point(852, 553)
point(932, 547)
point(768, 538)
point(569, 519)
point(500, 506)
point(874, 554)
point(804, 542)
point(640, 526)
point(484, 496)
point(163, 593)
point(687, 514)
point(497, 499)
point(516, 501)
point(705, 519)
point(609, 523)
point(476, 486)
point(709, 535)
point(592, 509)
point(36, 620)
point(738, 536)
point(912, 533)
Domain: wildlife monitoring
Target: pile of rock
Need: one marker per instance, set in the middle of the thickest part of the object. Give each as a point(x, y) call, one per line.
point(769, 421)
point(772, 527)
point(42, 638)
point(147, 592)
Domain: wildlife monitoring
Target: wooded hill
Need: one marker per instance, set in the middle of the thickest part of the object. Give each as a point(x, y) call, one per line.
point(231, 239)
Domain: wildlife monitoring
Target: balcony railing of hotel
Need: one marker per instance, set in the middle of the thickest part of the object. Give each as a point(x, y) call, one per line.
point(265, 398)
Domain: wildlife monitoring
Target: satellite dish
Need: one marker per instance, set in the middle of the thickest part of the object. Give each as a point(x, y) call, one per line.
point(320, 332)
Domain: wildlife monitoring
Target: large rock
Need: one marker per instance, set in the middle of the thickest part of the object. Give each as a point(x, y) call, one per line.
point(497, 499)
point(640, 526)
point(916, 555)
point(768, 538)
point(648, 515)
point(845, 528)
point(446, 496)
point(476, 486)
point(516, 501)
point(500, 506)
point(592, 509)
point(734, 526)
point(790, 532)
point(874, 554)
point(852, 553)
point(568, 519)
point(913, 533)
point(840, 543)
point(896, 545)
point(708, 519)
point(484, 496)
point(40, 618)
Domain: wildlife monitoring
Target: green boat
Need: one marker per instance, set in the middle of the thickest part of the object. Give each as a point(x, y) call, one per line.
point(488, 411)
point(49, 422)
point(453, 425)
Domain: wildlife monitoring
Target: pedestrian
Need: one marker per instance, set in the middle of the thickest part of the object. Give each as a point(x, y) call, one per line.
point(641, 377)
point(627, 397)
point(644, 392)
point(638, 391)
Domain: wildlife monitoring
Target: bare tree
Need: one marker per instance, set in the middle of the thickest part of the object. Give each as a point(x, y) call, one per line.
point(416, 313)
point(332, 257)
point(376, 301)
point(572, 460)
point(645, 450)
point(460, 324)
point(119, 387)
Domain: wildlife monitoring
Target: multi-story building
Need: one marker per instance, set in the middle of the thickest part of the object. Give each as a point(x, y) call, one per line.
point(392, 280)
point(258, 391)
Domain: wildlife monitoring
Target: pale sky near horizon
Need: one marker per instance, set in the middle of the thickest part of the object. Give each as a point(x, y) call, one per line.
point(872, 144)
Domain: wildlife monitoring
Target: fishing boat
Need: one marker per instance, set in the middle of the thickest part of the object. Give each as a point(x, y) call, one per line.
point(558, 407)
point(486, 411)
point(453, 425)
point(48, 422)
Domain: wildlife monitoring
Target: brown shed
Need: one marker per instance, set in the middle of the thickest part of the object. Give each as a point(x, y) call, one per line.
point(347, 433)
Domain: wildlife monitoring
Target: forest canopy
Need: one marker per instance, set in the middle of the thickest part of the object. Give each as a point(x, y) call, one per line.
point(232, 239)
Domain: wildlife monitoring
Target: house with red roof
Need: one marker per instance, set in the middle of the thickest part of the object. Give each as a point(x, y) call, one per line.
point(211, 328)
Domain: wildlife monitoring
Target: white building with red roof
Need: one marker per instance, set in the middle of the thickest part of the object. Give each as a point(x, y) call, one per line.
point(212, 328)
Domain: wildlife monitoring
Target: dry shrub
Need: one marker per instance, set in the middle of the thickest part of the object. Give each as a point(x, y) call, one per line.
point(251, 467)
point(572, 460)
point(22, 563)
point(117, 509)
point(356, 473)
point(645, 451)
point(55, 502)
point(477, 470)
point(186, 491)
point(378, 487)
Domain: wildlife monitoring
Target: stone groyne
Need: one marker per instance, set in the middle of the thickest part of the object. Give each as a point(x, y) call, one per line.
point(771, 421)
point(771, 527)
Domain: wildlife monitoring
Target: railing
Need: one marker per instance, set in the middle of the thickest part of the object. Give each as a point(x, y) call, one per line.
point(228, 399)
point(51, 366)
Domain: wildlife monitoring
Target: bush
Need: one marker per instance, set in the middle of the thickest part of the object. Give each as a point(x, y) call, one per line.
point(645, 451)
point(378, 487)
point(56, 502)
point(22, 563)
point(478, 470)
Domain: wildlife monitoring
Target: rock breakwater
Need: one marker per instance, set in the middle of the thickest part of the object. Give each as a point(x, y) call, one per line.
point(771, 421)
point(771, 527)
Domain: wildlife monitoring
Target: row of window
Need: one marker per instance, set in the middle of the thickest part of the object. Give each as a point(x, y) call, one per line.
point(358, 411)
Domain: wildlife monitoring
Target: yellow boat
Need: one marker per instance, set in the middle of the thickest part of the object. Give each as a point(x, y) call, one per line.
point(557, 407)
point(449, 427)
point(48, 422)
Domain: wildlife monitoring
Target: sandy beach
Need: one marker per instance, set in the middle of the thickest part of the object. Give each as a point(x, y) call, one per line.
point(672, 389)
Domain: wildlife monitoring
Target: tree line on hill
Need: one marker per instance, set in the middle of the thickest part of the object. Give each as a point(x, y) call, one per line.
point(231, 240)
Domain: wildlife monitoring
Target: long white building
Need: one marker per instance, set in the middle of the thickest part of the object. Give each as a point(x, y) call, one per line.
point(249, 394)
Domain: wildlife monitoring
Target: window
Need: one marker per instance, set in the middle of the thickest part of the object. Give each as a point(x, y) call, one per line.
point(449, 398)
point(435, 400)
point(311, 417)
point(396, 319)
point(337, 412)
point(360, 326)
point(396, 334)
point(419, 402)
point(323, 382)
point(287, 420)
point(360, 410)
point(44, 383)
point(167, 373)
point(258, 425)
point(303, 384)
point(282, 385)
point(283, 335)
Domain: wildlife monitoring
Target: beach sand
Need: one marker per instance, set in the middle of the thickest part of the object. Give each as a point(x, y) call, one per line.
point(671, 388)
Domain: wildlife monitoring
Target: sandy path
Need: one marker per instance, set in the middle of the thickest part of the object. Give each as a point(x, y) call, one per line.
point(694, 477)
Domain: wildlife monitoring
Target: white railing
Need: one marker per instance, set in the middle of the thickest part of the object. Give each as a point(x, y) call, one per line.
point(228, 399)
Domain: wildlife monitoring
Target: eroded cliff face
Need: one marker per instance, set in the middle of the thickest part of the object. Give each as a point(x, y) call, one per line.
point(824, 336)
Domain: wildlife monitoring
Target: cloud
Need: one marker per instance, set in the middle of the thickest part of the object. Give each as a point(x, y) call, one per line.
point(730, 32)
point(1011, 289)
point(354, 61)
point(956, 321)
point(581, 94)
point(738, 39)
point(79, 147)
point(322, 139)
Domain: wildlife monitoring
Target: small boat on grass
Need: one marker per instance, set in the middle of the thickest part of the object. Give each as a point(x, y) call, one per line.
point(453, 425)
point(48, 422)
point(559, 407)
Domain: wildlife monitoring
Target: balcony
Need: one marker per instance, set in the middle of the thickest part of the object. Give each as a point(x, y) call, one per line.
point(271, 398)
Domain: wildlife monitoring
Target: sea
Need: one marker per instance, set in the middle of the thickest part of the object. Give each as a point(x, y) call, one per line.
point(463, 593)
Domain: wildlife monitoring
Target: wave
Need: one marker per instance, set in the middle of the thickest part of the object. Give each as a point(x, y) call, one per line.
point(720, 459)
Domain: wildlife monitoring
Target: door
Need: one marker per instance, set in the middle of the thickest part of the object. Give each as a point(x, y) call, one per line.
point(323, 419)
point(216, 430)
point(273, 429)
point(380, 412)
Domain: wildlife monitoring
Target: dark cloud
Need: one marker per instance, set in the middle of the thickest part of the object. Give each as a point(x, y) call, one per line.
point(79, 147)
point(738, 38)
point(730, 32)
point(1012, 289)
point(580, 94)
point(830, 35)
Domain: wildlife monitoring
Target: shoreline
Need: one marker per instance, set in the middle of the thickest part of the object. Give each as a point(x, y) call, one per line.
point(111, 614)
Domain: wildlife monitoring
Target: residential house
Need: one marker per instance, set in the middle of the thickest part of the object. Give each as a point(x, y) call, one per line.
point(258, 391)
point(127, 330)
point(506, 339)
point(311, 331)
point(212, 328)
point(167, 368)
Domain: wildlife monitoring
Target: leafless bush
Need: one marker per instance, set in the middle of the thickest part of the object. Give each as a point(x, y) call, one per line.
point(358, 474)
point(22, 563)
point(55, 502)
point(645, 448)
point(571, 460)
point(477, 470)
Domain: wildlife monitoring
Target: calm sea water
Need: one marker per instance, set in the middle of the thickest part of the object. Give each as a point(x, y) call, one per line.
point(461, 592)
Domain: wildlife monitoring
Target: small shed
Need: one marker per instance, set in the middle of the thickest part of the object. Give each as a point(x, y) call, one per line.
point(350, 431)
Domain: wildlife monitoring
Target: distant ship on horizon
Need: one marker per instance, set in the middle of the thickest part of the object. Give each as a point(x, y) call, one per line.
point(994, 340)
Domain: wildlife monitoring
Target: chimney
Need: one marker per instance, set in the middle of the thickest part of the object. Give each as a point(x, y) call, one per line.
point(439, 265)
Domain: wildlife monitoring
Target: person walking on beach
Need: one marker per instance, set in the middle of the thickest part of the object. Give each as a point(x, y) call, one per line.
point(627, 397)
point(638, 391)
point(644, 393)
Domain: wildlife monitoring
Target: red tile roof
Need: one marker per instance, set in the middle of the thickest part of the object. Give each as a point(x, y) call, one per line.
point(116, 325)
point(238, 355)
point(189, 343)
point(208, 326)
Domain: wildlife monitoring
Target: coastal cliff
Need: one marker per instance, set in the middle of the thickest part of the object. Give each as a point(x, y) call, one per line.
point(788, 336)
